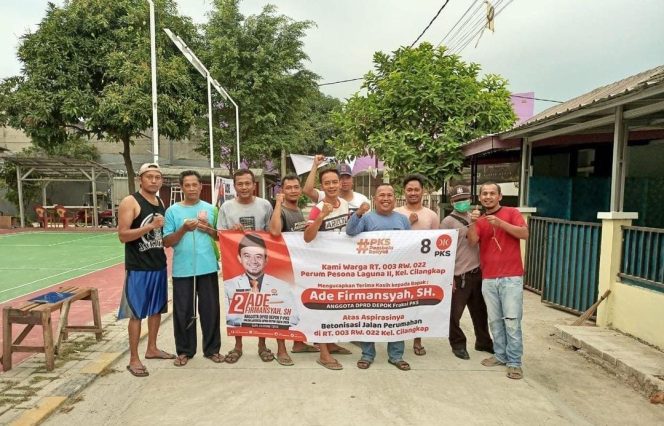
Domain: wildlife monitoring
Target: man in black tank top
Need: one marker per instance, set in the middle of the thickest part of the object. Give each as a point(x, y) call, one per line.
point(145, 293)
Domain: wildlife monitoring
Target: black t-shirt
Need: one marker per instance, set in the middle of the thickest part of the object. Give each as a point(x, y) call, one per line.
point(147, 252)
point(292, 220)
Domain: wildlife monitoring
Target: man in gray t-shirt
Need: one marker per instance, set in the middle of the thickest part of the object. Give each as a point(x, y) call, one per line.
point(238, 214)
point(245, 213)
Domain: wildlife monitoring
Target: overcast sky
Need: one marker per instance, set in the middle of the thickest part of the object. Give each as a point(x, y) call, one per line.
point(558, 49)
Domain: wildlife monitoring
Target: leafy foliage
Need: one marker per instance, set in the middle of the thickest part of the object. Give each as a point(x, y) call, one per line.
point(260, 61)
point(420, 105)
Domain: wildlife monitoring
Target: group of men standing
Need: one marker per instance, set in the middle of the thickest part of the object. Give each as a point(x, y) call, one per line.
point(487, 278)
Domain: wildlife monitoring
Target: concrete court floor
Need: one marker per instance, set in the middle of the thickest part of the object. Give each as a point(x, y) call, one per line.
point(559, 387)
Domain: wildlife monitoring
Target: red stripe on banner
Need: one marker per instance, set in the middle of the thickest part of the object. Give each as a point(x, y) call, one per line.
point(266, 332)
point(388, 296)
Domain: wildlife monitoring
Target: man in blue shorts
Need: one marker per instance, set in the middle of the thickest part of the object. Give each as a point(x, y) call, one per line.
point(145, 293)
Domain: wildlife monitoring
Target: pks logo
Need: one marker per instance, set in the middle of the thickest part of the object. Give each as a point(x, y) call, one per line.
point(374, 246)
point(443, 244)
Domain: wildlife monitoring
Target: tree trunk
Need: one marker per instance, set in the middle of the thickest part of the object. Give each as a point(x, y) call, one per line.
point(126, 155)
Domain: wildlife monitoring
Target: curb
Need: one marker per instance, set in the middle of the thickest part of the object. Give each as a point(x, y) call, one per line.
point(642, 376)
point(80, 378)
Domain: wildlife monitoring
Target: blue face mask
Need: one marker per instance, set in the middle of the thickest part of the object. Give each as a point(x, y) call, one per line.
point(462, 206)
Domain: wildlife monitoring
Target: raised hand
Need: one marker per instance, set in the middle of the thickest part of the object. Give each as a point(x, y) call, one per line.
point(318, 159)
point(327, 209)
point(364, 207)
point(475, 214)
point(280, 198)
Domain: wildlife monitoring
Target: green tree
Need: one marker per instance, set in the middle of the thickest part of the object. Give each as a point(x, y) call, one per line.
point(420, 105)
point(259, 60)
point(314, 125)
point(86, 72)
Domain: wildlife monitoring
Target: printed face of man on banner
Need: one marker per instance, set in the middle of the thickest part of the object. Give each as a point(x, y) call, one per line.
point(253, 260)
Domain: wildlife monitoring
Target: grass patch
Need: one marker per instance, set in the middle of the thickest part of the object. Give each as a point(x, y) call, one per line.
point(38, 379)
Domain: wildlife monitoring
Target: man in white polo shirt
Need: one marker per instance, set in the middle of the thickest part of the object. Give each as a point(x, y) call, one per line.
point(354, 199)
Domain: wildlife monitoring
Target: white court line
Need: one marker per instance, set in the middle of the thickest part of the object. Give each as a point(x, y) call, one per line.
point(51, 245)
point(62, 273)
point(60, 243)
point(39, 269)
point(14, 234)
point(77, 239)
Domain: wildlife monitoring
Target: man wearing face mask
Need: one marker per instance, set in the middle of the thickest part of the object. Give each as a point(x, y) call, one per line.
point(467, 290)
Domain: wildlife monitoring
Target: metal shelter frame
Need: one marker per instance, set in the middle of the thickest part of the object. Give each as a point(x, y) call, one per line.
point(59, 169)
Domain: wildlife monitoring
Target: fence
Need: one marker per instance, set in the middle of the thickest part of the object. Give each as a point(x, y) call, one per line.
point(643, 257)
point(562, 262)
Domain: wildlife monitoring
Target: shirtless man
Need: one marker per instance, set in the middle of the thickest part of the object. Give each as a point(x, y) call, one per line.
point(420, 217)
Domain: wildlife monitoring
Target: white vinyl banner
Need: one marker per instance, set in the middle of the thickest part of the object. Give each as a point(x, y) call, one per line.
point(377, 286)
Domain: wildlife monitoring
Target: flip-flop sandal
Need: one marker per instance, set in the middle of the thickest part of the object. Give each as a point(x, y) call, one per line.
point(181, 360)
point(331, 365)
point(306, 349)
point(162, 355)
point(419, 350)
point(233, 356)
point(266, 355)
point(515, 373)
point(138, 371)
point(363, 364)
point(340, 351)
point(401, 365)
point(285, 360)
point(216, 358)
point(491, 362)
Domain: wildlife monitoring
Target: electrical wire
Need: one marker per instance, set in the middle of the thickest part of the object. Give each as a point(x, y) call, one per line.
point(430, 22)
point(460, 49)
point(416, 40)
point(462, 25)
point(473, 29)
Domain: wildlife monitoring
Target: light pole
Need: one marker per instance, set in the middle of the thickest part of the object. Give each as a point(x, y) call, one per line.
point(153, 69)
point(211, 82)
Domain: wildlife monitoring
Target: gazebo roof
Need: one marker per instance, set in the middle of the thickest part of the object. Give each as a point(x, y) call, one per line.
point(59, 168)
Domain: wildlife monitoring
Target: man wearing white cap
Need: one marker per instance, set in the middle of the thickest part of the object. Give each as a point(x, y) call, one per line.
point(145, 295)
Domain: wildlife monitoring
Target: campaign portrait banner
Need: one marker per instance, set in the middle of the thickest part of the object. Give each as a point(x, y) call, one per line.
point(378, 286)
point(225, 190)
